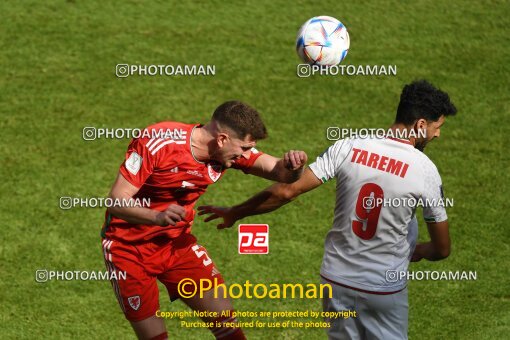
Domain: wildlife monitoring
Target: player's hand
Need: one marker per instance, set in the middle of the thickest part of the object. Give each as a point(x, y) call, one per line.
point(295, 160)
point(174, 213)
point(216, 212)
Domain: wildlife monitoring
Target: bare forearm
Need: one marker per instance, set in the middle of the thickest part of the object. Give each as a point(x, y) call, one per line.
point(429, 252)
point(266, 201)
point(294, 175)
point(284, 174)
point(135, 215)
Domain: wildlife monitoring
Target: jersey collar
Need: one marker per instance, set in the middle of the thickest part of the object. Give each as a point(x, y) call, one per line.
point(405, 141)
point(190, 143)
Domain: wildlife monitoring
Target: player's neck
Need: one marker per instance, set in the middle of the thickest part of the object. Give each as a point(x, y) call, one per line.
point(403, 131)
point(200, 139)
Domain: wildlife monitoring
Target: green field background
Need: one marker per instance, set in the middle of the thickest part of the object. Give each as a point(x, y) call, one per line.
point(57, 75)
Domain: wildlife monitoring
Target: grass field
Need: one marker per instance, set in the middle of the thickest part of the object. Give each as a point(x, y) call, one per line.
point(57, 62)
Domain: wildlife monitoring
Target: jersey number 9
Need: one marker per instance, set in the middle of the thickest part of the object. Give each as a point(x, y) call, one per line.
point(367, 211)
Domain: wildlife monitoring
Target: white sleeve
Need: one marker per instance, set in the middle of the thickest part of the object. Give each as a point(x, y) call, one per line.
point(326, 166)
point(433, 198)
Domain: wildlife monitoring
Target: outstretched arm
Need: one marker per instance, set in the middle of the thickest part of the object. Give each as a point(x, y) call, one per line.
point(265, 201)
point(285, 170)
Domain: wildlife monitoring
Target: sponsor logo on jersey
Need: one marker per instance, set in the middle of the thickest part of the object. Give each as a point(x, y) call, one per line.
point(253, 238)
point(134, 302)
point(175, 170)
point(214, 171)
point(134, 163)
point(194, 173)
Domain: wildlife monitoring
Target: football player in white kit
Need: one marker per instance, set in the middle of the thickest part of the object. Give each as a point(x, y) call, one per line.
point(374, 230)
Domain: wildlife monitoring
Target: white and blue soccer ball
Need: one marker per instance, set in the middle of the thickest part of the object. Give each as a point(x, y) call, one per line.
point(323, 41)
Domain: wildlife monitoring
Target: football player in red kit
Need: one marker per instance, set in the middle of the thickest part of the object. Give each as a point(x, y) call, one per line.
point(171, 165)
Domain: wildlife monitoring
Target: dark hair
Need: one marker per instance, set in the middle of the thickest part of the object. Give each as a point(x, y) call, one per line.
point(421, 99)
point(240, 118)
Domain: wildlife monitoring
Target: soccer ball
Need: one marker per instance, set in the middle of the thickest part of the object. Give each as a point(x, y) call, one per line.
point(322, 41)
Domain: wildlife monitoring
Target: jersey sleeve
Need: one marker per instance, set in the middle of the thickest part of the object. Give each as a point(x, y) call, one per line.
point(245, 164)
point(433, 198)
point(140, 162)
point(326, 166)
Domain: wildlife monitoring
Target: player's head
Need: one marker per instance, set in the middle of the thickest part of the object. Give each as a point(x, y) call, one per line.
point(424, 107)
point(236, 128)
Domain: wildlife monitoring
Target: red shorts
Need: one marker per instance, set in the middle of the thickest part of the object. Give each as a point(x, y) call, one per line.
point(169, 261)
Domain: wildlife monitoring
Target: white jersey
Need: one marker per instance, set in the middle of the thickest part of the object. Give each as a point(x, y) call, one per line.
point(379, 183)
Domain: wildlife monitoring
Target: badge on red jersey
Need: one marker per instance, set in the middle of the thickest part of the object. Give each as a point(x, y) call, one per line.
point(134, 302)
point(133, 163)
point(214, 171)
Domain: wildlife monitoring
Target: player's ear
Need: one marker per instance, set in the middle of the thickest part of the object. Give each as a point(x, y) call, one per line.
point(421, 124)
point(222, 139)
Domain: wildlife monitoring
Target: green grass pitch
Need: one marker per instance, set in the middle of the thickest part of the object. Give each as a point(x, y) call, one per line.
point(57, 75)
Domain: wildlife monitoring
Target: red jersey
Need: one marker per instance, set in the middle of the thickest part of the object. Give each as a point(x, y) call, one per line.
point(167, 173)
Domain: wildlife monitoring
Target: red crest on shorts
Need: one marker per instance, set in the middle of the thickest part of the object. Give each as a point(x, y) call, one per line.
point(214, 171)
point(134, 302)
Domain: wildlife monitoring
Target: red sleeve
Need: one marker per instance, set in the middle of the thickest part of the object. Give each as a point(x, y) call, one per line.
point(245, 164)
point(139, 163)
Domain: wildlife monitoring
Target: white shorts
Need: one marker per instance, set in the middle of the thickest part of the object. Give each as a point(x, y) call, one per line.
point(377, 316)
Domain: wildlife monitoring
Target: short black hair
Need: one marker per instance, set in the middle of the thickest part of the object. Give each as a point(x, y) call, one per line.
point(421, 99)
point(241, 118)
